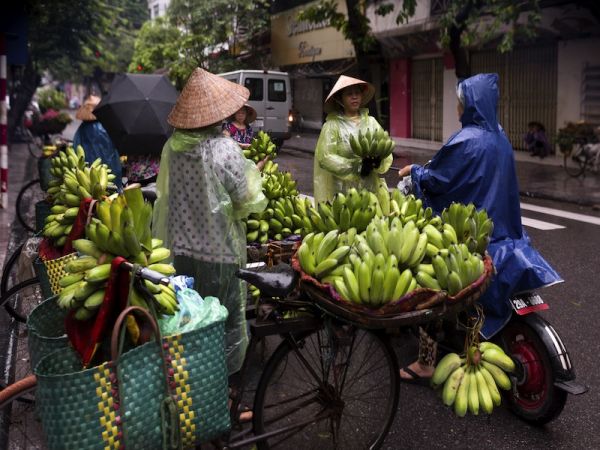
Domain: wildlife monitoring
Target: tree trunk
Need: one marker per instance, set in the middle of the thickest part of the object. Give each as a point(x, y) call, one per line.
point(21, 94)
point(362, 57)
point(462, 61)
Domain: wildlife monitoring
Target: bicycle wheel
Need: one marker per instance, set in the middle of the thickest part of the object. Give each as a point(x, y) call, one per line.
point(574, 165)
point(19, 427)
point(29, 195)
point(8, 267)
point(21, 298)
point(35, 144)
point(328, 390)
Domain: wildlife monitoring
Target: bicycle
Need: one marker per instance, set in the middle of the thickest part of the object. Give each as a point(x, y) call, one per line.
point(327, 379)
point(585, 155)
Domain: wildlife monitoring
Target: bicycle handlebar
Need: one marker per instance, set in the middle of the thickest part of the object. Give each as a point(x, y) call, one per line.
point(147, 274)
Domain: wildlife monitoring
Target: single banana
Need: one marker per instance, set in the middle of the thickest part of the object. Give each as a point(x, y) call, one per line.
point(445, 367)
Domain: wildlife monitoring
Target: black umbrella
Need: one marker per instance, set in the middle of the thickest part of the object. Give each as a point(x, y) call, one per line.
point(134, 113)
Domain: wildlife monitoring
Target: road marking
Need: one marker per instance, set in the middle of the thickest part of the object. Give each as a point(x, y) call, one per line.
point(539, 224)
point(560, 213)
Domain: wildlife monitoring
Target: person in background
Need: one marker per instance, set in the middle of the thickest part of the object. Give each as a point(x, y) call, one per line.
point(205, 189)
point(238, 126)
point(94, 139)
point(336, 167)
point(536, 141)
point(477, 165)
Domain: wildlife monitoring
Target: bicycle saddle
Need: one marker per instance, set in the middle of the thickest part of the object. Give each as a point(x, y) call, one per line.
point(276, 281)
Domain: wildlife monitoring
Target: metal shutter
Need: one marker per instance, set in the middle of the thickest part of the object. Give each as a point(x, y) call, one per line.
point(427, 95)
point(528, 86)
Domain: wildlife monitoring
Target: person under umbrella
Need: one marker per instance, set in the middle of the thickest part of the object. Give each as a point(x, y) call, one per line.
point(94, 139)
point(205, 189)
point(336, 168)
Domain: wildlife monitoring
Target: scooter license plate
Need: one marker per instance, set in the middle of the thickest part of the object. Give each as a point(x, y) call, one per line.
point(525, 304)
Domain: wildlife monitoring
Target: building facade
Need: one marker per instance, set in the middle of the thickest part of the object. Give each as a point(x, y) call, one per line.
point(552, 79)
point(313, 54)
point(157, 8)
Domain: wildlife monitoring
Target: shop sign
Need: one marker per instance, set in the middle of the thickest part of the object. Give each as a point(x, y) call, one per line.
point(296, 41)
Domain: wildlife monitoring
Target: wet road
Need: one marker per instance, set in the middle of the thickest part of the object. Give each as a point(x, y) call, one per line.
point(422, 422)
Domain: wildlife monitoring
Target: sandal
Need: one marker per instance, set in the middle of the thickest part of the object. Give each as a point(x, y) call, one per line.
point(416, 379)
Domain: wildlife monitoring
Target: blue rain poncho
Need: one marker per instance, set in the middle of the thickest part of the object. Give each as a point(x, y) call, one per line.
point(336, 167)
point(205, 188)
point(477, 166)
point(94, 139)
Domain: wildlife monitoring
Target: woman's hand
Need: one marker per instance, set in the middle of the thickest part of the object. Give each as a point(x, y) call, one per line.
point(261, 164)
point(243, 146)
point(405, 171)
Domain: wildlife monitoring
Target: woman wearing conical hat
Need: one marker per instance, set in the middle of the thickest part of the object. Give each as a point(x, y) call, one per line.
point(95, 140)
point(336, 167)
point(205, 189)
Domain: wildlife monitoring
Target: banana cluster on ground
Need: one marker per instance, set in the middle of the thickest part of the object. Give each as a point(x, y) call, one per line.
point(260, 147)
point(471, 383)
point(73, 180)
point(395, 248)
point(122, 227)
point(473, 228)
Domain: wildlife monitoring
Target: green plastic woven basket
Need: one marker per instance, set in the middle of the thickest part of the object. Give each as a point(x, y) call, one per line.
point(119, 403)
point(42, 274)
point(46, 330)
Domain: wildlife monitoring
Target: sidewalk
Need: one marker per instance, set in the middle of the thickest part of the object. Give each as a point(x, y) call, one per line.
point(539, 178)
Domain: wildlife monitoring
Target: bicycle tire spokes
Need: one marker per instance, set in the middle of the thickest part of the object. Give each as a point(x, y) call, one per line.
point(355, 399)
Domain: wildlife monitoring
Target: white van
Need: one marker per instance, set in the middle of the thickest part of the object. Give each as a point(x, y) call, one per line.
point(271, 96)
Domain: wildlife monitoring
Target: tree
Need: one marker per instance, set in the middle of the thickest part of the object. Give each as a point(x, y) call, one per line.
point(211, 34)
point(71, 40)
point(463, 24)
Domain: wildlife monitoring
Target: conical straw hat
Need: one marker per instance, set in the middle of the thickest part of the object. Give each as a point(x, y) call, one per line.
point(206, 99)
point(85, 111)
point(343, 82)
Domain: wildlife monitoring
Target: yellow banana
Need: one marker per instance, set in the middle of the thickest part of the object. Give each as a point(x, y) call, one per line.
point(445, 367)
point(452, 385)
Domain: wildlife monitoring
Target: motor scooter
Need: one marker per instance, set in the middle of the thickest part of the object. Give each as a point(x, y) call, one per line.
point(545, 375)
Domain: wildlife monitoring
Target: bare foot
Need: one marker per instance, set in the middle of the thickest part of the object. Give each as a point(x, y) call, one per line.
point(421, 370)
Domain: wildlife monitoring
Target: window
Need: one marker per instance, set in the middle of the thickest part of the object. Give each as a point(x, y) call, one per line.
point(155, 7)
point(277, 91)
point(255, 86)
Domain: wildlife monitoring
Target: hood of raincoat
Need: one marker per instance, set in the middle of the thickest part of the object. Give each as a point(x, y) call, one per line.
point(477, 166)
point(97, 144)
point(480, 95)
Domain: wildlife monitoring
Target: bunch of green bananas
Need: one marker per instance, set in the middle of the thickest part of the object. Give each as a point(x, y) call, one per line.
point(278, 184)
point(260, 147)
point(122, 228)
point(472, 383)
point(372, 144)
point(282, 218)
point(473, 228)
point(393, 256)
point(355, 209)
point(84, 285)
point(74, 180)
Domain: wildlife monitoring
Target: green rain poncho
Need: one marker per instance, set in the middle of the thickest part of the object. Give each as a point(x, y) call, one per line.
point(337, 168)
point(205, 188)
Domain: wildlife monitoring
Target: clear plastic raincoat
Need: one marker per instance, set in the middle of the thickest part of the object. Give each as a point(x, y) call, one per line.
point(97, 144)
point(336, 167)
point(205, 187)
point(477, 166)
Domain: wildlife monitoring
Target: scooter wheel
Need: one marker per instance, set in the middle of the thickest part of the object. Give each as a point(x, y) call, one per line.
point(533, 398)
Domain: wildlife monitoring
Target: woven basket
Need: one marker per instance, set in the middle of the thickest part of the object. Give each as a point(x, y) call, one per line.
point(46, 330)
point(44, 164)
point(54, 271)
point(42, 274)
point(119, 403)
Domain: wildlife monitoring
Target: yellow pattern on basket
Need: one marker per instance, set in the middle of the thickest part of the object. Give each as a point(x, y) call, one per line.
point(56, 270)
point(182, 391)
point(108, 416)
